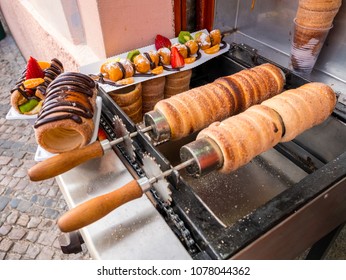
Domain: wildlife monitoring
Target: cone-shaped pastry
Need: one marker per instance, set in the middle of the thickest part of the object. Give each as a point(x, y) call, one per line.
point(317, 14)
point(65, 121)
point(320, 5)
point(303, 107)
point(315, 19)
point(152, 92)
point(278, 119)
point(196, 108)
point(130, 101)
point(244, 136)
point(177, 83)
point(28, 94)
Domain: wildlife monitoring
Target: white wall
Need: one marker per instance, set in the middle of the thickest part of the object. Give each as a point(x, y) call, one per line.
point(63, 16)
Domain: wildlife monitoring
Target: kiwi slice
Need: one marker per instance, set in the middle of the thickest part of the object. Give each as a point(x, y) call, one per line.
point(184, 36)
point(132, 54)
point(28, 106)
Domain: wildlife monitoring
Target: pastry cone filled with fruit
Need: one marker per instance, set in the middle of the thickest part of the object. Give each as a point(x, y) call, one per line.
point(29, 92)
point(65, 121)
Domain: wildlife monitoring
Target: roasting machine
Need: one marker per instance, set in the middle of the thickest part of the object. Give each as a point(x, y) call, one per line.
point(285, 201)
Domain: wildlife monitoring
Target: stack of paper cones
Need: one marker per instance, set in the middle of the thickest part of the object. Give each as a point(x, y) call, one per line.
point(129, 100)
point(177, 83)
point(152, 92)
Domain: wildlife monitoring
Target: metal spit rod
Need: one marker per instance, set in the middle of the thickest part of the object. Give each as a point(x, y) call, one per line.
point(130, 135)
point(206, 153)
point(200, 156)
point(96, 208)
point(64, 162)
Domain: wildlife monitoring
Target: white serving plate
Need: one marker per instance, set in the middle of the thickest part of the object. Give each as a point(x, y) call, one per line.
point(94, 68)
point(41, 154)
point(12, 114)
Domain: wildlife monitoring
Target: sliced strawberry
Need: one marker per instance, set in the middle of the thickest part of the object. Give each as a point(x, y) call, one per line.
point(33, 69)
point(162, 42)
point(177, 60)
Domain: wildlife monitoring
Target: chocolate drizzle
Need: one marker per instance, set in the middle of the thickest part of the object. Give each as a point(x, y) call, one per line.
point(152, 64)
point(144, 75)
point(72, 81)
point(122, 68)
point(55, 69)
point(199, 55)
point(19, 85)
point(223, 45)
point(20, 88)
point(68, 97)
point(171, 69)
point(188, 50)
point(102, 80)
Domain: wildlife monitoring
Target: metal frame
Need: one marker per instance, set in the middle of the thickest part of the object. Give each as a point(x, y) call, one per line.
point(212, 239)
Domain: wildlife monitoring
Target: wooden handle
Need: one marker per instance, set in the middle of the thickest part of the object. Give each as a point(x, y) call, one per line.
point(63, 162)
point(98, 207)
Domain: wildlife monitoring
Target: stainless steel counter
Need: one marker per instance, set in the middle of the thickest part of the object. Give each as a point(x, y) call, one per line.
point(133, 231)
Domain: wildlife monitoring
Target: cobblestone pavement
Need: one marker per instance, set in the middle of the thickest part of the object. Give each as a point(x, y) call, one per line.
point(28, 211)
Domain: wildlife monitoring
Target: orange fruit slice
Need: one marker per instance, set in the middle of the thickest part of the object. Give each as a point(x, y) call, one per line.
point(32, 83)
point(157, 70)
point(213, 49)
point(43, 64)
point(189, 60)
point(126, 81)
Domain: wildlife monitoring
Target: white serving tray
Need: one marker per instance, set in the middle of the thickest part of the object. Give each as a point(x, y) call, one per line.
point(41, 154)
point(94, 68)
point(12, 114)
